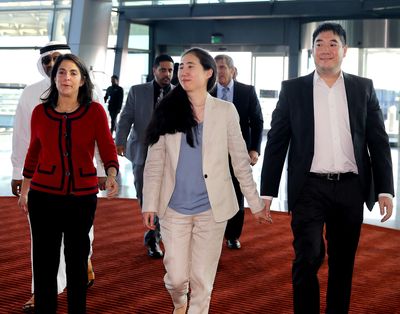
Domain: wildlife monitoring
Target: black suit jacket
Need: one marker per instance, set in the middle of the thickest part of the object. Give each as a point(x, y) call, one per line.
point(251, 119)
point(292, 128)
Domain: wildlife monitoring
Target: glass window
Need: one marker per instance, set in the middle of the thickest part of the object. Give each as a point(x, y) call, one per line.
point(28, 23)
point(227, 1)
point(268, 86)
point(139, 36)
point(109, 69)
point(135, 70)
point(113, 31)
point(25, 28)
point(61, 25)
point(386, 84)
point(154, 2)
point(19, 66)
point(9, 96)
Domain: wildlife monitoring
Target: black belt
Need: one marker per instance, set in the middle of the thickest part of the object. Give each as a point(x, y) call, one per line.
point(332, 176)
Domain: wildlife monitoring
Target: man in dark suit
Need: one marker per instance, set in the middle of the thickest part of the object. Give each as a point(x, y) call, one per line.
point(339, 157)
point(133, 121)
point(115, 96)
point(245, 99)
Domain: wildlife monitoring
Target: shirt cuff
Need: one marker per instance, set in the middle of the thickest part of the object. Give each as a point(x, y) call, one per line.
point(386, 195)
point(266, 197)
point(17, 173)
point(101, 171)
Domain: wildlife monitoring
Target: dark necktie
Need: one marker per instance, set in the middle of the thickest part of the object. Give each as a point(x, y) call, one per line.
point(160, 96)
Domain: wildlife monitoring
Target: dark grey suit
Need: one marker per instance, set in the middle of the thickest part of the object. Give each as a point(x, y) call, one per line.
point(317, 202)
point(251, 124)
point(133, 121)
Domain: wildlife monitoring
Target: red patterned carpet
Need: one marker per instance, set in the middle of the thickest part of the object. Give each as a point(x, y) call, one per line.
point(255, 279)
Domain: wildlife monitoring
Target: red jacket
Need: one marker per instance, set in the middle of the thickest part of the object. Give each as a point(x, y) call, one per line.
point(61, 151)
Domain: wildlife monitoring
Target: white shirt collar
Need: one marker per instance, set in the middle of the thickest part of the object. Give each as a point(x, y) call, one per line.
point(318, 79)
point(230, 86)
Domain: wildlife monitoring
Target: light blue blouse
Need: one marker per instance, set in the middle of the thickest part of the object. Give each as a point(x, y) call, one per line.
point(190, 193)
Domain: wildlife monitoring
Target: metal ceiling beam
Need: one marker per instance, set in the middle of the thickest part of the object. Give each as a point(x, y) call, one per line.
point(332, 9)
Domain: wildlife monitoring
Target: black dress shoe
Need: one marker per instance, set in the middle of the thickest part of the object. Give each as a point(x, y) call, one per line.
point(233, 244)
point(154, 250)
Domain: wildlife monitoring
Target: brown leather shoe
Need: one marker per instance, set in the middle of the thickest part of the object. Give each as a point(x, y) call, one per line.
point(90, 274)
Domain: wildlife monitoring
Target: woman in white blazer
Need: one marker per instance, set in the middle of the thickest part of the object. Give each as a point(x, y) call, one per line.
point(187, 182)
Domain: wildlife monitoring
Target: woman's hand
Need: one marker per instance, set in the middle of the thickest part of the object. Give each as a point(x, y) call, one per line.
point(148, 220)
point(23, 195)
point(264, 216)
point(111, 186)
point(23, 203)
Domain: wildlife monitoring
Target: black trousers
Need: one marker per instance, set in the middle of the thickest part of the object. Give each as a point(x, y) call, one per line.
point(337, 206)
point(51, 216)
point(113, 116)
point(234, 226)
point(150, 236)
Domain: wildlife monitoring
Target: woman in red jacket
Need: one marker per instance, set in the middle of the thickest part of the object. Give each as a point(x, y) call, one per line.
point(61, 181)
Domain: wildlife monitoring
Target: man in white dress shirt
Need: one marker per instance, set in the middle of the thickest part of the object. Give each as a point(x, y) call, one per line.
point(330, 124)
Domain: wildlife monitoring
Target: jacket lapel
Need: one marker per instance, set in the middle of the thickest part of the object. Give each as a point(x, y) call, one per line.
point(351, 100)
point(207, 124)
point(308, 107)
point(175, 148)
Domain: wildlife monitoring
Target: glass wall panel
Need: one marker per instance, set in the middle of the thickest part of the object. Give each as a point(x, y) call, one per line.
point(29, 23)
point(25, 28)
point(19, 66)
point(135, 70)
point(377, 62)
point(172, 2)
point(112, 34)
point(139, 36)
point(110, 57)
point(227, 1)
point(269, 72)
point(61, 25)
point(154, 2)
point(9, 96)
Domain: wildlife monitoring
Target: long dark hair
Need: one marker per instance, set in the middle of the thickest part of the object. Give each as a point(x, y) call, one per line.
point(85, 93)
point(174, 113)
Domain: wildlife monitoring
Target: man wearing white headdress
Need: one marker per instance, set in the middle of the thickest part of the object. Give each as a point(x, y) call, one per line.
point(29, 99)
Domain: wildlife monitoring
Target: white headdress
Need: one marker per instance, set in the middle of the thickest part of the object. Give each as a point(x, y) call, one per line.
point(49, 48)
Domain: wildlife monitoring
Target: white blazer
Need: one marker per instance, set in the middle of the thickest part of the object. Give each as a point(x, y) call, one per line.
point(221, 138)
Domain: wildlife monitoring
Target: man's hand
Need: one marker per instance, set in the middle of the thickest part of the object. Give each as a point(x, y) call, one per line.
point(386, 207)
point(264, 216)
point(253, 157)
point(102, 183)
point(16, 187)
point(148, 220)
point(121, 150)
point(111, 186)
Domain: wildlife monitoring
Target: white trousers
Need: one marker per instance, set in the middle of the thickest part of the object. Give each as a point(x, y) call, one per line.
point(193, 245)
point(62, 275)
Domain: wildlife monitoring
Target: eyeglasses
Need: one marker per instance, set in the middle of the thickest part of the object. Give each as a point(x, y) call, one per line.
point(47, 59)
